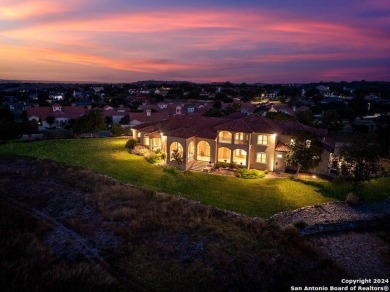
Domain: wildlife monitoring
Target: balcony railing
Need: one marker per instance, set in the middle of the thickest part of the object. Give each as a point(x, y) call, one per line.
point(241, 142)
point(225, 140)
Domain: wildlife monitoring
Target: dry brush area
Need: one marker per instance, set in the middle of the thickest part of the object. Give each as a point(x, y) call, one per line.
point(89, 232)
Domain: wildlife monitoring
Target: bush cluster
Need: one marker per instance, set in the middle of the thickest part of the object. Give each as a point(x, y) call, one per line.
point(140, 150)
point(131, 143)
point(155, 157)
point(230, 165)
point(249, 173)
point(172, 170)
point(117, 130)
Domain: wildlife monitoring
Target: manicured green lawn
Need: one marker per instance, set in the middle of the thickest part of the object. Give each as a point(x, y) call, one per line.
point(259, 197)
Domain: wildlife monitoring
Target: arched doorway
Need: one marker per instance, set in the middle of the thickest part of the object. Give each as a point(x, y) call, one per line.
point(175, 146)
point(203, 151)
point(239, 156)
point(224, 154)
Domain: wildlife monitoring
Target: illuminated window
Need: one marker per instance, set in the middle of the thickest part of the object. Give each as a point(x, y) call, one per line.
point(262, 140)
point(308, 143)
point(146, 140)
point(292, 142)
point(279, 155)
point(261, 157)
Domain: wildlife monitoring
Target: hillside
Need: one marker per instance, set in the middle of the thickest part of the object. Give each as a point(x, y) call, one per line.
point(65, 225)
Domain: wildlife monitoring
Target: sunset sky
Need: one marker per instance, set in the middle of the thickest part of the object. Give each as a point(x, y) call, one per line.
point(201, 41)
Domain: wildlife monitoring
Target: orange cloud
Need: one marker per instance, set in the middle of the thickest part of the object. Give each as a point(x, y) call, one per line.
point(27, 9)
point(176, 41)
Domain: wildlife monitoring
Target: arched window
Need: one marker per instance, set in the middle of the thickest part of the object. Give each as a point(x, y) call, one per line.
point(261, 157)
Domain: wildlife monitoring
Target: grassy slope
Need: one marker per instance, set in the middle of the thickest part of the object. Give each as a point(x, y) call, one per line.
point(261, 198)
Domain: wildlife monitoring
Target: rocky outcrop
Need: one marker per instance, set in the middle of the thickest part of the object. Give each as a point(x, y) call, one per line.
point(335, 216)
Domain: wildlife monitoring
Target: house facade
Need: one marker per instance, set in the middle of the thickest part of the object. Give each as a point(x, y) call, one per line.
point(251, 141)
point(61, 114)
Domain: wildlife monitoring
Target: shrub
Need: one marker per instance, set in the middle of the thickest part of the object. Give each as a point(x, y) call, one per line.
point(116, 130)
point(171, 169)
point(351, 199)
point(234, 165)
point(249, 173)
point(152, 157)
point(131, 143)
point(221, 164)
point(177, 156)
point(140, 150)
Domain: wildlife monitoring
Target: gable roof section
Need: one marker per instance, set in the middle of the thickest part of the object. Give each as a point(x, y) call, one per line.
point(251, 124)
point(281, 147)
point(293, 127)
point(144, 118)
point(186, 126)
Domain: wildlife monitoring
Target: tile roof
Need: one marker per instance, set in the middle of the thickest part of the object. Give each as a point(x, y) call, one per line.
point(144, 118)
point(186, 126)
point(251, 124)
point(208, 127)
point(70, 112)
point(281, 147)
point(289, 127)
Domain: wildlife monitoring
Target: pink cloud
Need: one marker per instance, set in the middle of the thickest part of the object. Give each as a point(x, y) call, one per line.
point(179, 42)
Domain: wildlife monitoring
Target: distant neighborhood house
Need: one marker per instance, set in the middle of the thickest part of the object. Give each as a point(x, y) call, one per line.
point(61, 114)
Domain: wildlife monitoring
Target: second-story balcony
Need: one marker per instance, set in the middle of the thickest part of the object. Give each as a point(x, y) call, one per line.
point(241, 138)
point(225, 137)
point(241, 142)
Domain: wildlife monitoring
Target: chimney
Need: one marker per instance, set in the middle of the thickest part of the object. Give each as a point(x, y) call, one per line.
point(148, 112)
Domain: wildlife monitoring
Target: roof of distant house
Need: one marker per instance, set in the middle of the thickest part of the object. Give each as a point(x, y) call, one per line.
point(144, 117)
point(70, 112)
point(281, 147)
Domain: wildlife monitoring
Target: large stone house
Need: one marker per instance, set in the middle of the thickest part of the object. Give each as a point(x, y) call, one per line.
point(251, 141)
